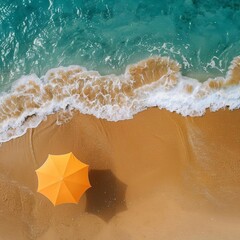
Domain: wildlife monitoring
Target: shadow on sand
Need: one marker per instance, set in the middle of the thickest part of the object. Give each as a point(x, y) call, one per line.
point(106, 197)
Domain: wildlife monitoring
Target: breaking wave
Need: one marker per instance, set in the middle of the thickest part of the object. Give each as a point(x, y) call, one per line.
point(153, 82)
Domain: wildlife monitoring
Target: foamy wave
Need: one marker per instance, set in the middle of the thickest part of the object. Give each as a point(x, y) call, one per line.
point(152, 82)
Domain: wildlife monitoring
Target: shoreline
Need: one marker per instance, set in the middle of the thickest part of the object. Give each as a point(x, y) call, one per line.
point(153, 82)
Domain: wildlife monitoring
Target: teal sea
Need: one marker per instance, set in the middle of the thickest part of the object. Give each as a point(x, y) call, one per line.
point(113, 59)
point(107, 35)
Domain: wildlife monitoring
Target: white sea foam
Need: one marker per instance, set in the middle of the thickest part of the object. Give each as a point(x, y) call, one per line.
point(152, 82)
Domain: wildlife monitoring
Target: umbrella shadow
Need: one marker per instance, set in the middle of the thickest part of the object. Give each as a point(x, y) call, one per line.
point(106, 197)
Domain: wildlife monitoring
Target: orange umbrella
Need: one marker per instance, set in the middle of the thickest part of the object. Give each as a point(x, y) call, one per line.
point(63, 179)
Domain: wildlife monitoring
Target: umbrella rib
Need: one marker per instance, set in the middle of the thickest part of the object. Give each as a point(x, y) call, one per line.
point(54, 163)
point(68, 192)
point(73, 196)
point(55, 202)
point(49, 185)
point(75, 159)
point(79, 184)
point(76, 171)
point(68, 176)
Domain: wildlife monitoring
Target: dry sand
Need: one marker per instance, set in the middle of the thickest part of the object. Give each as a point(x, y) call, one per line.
point(157, 176)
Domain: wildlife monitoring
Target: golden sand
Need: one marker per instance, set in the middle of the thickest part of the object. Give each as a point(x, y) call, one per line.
point(157, 176)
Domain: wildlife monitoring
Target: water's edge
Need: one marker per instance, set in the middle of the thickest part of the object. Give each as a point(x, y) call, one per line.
point(156, 81)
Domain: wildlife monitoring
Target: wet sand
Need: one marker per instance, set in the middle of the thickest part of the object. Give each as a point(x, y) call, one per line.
point(156, 176)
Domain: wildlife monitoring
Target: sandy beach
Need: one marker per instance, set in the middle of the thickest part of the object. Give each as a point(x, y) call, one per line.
point(143, 100)
point(157, 176)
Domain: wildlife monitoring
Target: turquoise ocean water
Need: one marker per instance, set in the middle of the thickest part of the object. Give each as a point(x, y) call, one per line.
point(107, 35)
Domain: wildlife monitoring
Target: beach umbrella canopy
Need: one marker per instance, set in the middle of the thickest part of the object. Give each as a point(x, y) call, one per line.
point(63, 179)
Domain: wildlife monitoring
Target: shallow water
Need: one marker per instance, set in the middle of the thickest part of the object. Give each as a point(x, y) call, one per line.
point(107, 35)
